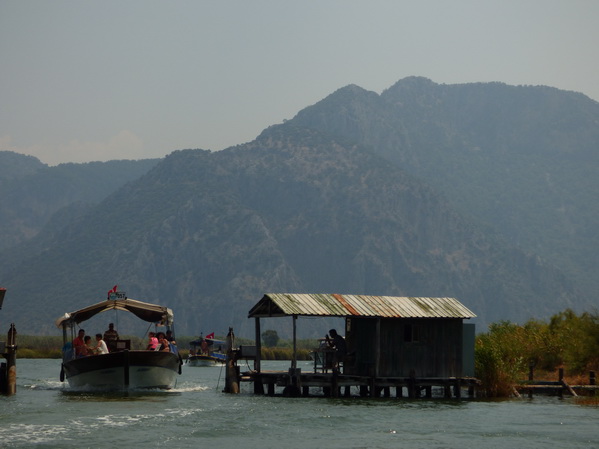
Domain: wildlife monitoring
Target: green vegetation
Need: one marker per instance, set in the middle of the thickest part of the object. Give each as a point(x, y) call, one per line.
point(38, 347)
point(504, 355)
point(270, 338)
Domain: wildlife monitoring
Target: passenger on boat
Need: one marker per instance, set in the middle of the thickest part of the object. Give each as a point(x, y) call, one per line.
point(204, 347)
point(101, 347)
point(152, 342)
point(79, 344)
point(164, 344)
point(110, 337)
point(91, 349)
point(170, 338)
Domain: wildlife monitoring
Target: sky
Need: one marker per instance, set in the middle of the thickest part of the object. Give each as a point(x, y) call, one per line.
point(88, 81)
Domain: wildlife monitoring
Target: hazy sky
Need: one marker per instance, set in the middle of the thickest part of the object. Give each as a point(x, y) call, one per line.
point(102, 80)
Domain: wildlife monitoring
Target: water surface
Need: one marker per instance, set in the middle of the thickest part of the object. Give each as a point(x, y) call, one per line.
point(196, 414)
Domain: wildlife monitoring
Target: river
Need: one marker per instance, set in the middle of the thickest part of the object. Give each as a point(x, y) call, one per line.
point(196, 414)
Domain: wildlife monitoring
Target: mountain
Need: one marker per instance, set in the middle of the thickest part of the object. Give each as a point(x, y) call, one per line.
point(32, 192)
point(484, 192)
point(520, 159)
point(295, 211)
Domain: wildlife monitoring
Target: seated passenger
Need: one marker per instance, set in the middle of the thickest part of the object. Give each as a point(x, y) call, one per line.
point(101, 347)
point(164, 344)
point(152, 342)
point(91, 349)
point(79, 344)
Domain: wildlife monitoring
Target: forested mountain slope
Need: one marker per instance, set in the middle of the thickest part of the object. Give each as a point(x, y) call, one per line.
point(521, 159)
point(294, 211)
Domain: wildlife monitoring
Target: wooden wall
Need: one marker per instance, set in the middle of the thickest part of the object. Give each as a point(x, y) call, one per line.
point(418, 347)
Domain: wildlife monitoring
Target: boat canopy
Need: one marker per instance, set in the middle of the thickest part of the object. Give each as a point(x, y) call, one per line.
point(151, 313)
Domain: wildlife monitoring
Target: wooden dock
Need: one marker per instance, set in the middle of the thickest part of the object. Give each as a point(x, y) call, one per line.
point(333, 384)
point(557, 388)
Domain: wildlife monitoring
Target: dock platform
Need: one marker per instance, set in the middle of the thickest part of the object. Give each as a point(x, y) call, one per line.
point(297, 383)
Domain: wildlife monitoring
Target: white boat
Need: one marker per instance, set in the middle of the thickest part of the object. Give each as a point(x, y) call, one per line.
point(122, 369)
point(206, 352)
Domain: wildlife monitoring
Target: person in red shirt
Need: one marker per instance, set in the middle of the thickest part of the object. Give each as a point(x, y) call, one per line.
point(79, 344)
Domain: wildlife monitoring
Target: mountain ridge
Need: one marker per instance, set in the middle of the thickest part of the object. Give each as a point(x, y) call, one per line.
point(354, 195)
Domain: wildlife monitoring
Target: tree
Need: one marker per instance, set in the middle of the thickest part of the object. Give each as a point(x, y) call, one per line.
point(270, 338)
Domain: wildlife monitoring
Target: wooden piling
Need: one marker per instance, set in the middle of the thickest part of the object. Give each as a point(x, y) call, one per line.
point(9, 376)
point(232, 371)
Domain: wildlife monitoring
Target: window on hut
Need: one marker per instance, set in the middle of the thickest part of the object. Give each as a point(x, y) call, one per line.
point(411, 333)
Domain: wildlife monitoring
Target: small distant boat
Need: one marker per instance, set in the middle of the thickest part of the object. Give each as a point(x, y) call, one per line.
point(123, 368)
point(206, 351)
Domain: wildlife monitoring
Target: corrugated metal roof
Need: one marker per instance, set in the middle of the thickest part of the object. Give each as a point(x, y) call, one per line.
point(312, 304)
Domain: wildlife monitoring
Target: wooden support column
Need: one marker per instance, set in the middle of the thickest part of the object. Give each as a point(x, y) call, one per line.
point(335, 384)
point(531, 376)
point(377, 355)
point(258, 386)
point(258, 345)
point(294, 359)
point(429, 391)
point(561, 380)
point(457, 389)
point(447, 390)
point(11, 362)
point(398, 392)
point(231, 373)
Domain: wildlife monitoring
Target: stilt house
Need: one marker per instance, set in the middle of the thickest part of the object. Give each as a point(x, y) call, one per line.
point(386, 336)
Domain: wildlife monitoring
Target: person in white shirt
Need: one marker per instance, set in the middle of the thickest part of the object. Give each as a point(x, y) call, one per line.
point(101, 347)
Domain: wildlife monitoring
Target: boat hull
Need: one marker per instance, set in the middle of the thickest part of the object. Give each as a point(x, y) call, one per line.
point(201, 360)
point(124, 370)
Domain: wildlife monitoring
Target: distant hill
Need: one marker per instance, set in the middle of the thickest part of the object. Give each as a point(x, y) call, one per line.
point(32, 192)
point(209, 233)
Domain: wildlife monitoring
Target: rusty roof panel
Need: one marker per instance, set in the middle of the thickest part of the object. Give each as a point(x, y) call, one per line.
point(310, 304)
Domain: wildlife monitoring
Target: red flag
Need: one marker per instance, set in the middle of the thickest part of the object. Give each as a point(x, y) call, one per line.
point(210, 336)
point(112, 291)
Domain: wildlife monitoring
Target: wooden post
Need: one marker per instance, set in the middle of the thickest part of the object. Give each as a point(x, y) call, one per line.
point(398, 391)
point(231, 376)
point(446, 389)
point(592, 381)
point(531, 376)
point(457, 389)
point(11, 361)
point(412, 385)
point(258, 386)
point(377, 353)
point(258, 346)
point(363, 391)
point(335, 383)
point(294, 359)
point(429, 391)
